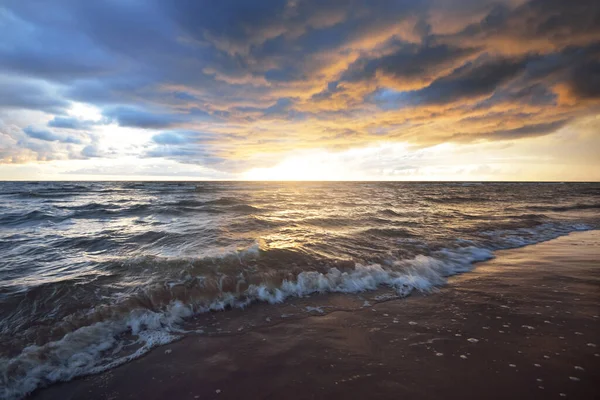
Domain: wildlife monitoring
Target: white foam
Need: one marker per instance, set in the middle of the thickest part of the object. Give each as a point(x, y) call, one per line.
point(85, 351)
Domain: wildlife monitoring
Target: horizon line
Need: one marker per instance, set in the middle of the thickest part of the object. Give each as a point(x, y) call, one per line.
point(296, 180)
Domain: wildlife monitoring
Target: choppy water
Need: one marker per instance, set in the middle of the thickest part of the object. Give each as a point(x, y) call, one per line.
point(95, 274)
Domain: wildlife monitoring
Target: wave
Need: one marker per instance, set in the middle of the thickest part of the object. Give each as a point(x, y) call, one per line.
point(14, 219)
point(86, 211)
point(390, 213)
point(186, 203)
point(225, 201)
point(90, 207)
point(111, 335)
point(458, 199)
point(245, 208)
point(573, 207)
point(388, 232)
point(51, 194)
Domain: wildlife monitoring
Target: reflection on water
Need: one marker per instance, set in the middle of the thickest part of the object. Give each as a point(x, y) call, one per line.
point(136, 258)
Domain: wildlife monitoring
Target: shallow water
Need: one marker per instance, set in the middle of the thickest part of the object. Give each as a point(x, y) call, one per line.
point(95, 274)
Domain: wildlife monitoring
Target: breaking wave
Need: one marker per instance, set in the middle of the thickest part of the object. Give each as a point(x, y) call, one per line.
point(110, 335)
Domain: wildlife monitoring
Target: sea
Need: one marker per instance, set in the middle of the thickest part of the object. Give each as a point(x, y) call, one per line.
point(95, 274)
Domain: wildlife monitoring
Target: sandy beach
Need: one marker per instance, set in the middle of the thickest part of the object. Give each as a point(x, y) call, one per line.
point(525, 325)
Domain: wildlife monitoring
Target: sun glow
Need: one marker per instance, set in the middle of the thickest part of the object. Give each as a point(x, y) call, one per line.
point(322, 165)
point(85, 112)
point(307, 167)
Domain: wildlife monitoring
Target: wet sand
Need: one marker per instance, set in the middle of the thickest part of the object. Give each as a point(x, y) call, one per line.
point(525, 325)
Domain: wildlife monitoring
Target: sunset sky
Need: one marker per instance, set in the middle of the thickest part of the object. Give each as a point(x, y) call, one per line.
point(297, 89)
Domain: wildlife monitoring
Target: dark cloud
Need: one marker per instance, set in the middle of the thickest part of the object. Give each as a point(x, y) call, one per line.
point(140, 118)
point(555, 22)
point(282, 108)
point(527, 130)
point(47, 44)
point(411, 64)
point(50, 136)
point(535, 94)
point(332, 88)
point(584, 80)
point(284, 75)
point(474, 79)
point(30, 95)
point(71, 123)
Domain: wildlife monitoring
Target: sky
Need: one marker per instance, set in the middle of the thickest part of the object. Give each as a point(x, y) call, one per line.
point(300, 90)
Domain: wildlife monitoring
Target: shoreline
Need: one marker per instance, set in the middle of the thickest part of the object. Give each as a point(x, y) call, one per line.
point(417, 346)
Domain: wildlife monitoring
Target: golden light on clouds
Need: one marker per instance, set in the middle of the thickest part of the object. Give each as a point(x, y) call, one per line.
point(297, 90)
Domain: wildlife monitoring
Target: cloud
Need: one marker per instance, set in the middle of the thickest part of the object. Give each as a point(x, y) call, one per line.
point(135, 117)
point(49, 136)
point(584, 80)
point(411, 66)
point(46, 44)
point(474, 79)
point(18, 146)
point(232, 83)
point(183, 137)
point(529, 130)
point(70, 123)
point(31, 95)
point(91, 151)
point(169, 138)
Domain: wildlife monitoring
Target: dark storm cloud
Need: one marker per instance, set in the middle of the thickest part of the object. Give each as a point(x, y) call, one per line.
point(575, 68)
point(473, 79)
point(584, 80)
point(411, 62)
point(554, 21)
point(276, 27)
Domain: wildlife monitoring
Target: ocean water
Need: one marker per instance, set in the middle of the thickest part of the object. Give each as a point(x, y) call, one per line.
point(94, 274)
